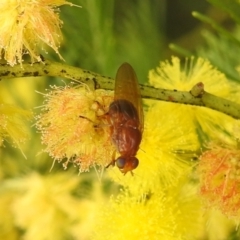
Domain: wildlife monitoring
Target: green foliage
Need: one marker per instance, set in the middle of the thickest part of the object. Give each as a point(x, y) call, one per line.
point(230, 6)
point(222, 52)
point(101, 36)
point(221, 44)
point(222, 47)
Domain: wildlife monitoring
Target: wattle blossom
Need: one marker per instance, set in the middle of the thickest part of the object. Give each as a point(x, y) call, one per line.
point(13, 127)
point(169, 144)
point(26, 26)
point(175, 75)
point(219, 171)
point(171, 215)
point(71, 128)
point(30, 201)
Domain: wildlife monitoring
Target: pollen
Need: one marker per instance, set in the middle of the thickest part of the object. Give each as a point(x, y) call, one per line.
point(73, 128)
point(27, 26)
point(219, 170)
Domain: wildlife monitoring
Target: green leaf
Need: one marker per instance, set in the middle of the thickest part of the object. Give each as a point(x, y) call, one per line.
point(216, 26)
point(230, 6)
point(180, 50)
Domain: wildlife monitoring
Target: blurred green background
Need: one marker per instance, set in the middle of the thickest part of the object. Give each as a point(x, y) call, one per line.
point(99, 37)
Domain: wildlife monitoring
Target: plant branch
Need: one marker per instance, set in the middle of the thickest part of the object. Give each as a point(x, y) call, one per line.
point(196, 96)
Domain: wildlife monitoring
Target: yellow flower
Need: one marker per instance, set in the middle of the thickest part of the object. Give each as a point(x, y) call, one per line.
point(174, 214)
point(7, 225)
point(218, 225)
point(166, 156)
point(174, 75)
point(184, 77)
point(71, 128)
point(59, 201)
point(65, 203)
point(28, 25)
point(13, 124)
point(219, 172)
point(169, 143)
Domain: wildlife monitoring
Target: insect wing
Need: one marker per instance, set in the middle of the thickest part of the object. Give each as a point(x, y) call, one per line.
point(126, 87)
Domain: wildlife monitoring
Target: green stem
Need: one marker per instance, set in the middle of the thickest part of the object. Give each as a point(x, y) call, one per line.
point(97, 81)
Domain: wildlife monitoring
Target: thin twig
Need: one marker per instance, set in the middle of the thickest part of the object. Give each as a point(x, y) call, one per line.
point(97, 81)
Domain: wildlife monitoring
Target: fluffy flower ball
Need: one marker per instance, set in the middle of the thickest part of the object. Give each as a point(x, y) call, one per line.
point(72, 128)
point(28, 25)
point(219, 170)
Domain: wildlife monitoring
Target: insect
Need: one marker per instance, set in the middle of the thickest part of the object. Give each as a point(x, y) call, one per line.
point(125, 117)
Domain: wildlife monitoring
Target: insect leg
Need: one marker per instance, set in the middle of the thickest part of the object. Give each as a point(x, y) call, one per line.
point(113, 159)
point(86, 118)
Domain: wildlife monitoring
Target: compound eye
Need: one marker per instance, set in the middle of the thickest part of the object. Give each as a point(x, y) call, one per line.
point(134, 162)
point(121, 162)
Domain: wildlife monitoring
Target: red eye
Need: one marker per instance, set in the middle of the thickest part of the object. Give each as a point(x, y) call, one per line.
point(134, 162)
